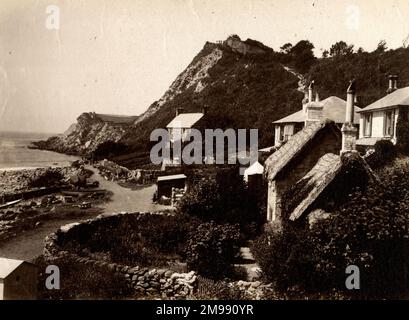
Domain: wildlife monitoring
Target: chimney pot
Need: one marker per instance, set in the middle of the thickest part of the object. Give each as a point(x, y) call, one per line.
point(393, 83)
point(348, 129)
point(317, 97)
point(179, 111)
point(310, 89)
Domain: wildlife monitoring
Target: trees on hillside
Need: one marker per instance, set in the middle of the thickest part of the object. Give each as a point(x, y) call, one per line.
point(341, 48)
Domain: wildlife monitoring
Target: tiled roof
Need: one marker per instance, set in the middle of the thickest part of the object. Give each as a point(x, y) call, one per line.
point(185, 120)
point(399, 97)
point(333, 109)
point(279, 159)
point(324, 171)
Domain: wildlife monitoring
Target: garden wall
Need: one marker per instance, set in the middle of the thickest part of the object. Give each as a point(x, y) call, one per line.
point(156, 282)
point(163, 282)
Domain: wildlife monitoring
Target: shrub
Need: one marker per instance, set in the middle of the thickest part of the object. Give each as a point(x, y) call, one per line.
point(48, 178)
point(370, 231)
point(385, 152)
point(211, 249)
point(224, 199)
point(150, 240)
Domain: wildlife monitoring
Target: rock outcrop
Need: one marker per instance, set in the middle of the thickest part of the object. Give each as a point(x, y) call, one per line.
point(86, 134)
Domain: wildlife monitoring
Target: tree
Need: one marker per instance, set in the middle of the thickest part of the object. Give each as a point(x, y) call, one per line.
point(303, 55)
point(286, 48)
point(341, 48)
point(381, 48)
point(325, 54)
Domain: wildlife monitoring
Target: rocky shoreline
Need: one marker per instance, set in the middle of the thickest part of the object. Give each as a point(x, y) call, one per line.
point(16, 180)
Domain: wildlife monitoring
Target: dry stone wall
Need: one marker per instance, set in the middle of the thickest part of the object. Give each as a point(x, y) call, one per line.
point(163, 282)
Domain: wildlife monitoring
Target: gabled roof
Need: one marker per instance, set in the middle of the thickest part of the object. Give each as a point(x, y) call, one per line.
point(279, 159)
point(255, 168)
point(333, 109)
point(319, 177)
point(185, 120)
point(399, 97)
point(7, 266)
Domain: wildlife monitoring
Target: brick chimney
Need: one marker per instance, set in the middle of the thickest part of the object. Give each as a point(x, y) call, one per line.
point(314, 110)
point(348, 129)
point(204, 110)
point(179, 111)
point(393, 83)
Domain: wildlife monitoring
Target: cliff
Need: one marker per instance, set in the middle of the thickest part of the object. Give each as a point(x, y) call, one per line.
point(87, 133)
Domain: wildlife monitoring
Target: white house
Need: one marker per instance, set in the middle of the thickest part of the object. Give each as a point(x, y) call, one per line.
point(333, 108)
point(378, 120)
point(179, 129)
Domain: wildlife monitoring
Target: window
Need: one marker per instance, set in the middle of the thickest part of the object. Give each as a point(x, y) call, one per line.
point(281, 133)
point(367, 124)
point(389, 123)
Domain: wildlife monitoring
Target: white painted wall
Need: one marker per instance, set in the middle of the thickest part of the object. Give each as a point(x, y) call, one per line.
point(276, 135)
point(361, 126)
point(1, 291)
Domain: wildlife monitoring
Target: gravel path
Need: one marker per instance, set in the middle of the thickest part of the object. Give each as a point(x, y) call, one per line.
point(29, 245)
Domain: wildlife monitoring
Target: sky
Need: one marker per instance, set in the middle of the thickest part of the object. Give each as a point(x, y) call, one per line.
point(120, 56)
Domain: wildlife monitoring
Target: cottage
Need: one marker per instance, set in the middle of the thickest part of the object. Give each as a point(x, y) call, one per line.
point(18, 280)
point(295, 158)
point(166, 183)
point(179, 129)
point(378, 120)
point(333, 108)
point(324, 172)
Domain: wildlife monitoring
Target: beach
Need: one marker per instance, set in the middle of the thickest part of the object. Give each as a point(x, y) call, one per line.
point(15, 153)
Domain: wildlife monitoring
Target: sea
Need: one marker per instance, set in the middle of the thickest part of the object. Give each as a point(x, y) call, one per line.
point(15, 154)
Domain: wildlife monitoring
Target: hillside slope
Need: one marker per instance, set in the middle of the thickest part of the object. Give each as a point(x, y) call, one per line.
point(243, 84)
point(246, 88)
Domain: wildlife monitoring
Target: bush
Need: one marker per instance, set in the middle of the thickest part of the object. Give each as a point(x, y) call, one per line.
point(49, 178)
point(370, 231)
point(150, 240)
point(224, 199)
point(385, 152)
point(211, 249)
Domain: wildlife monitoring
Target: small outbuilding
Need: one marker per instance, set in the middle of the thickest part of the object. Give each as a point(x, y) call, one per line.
point(166, 183)
point(18, 280)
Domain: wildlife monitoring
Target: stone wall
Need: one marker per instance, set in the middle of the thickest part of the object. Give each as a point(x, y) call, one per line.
point(150, 282)
point(164, 282)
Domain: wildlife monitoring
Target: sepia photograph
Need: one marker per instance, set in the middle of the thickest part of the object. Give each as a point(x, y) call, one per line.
point(203, 151)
